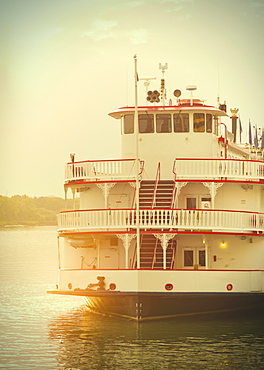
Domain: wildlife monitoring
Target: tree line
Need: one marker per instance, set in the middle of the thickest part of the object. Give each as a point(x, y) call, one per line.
point(24, 210)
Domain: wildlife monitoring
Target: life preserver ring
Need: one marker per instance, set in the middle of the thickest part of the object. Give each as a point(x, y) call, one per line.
point(168, 286)
point(112, 286)
point(229, 287)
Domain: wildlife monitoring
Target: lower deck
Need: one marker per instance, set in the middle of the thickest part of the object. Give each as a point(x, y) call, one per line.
point(160, 249)
point(77, 281)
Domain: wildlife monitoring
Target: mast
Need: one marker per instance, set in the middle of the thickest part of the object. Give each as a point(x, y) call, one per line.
point(137, 162)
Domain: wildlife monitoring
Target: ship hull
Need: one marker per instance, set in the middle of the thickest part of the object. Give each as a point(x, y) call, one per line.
point(149, 306)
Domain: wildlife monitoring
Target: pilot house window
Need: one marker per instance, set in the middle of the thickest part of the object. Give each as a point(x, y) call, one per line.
point(198, 122)
point(129, 124)
point(146, 123)
point(209, 120)
point(181, 122)
point(163, 123)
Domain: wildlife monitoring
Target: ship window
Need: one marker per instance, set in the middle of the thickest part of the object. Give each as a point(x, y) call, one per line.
point(198, 122)
point(181, 122)
point(188, 258)
point(209, 122)
point(215, 125)
point(163, 123)
point(129, 124)
point(146, 123)
point(201, 256)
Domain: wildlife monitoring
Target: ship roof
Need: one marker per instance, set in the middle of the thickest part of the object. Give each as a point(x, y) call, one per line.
point(183, 107)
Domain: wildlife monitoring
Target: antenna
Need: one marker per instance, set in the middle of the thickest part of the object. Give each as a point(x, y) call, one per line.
point(218, 83)
point(163, 67)
point(191, 88)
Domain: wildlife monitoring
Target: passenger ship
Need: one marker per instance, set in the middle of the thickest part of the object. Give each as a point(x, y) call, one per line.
point(174, 227)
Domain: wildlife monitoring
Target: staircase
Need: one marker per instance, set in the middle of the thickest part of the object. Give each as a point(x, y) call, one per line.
point(151, 253)
point(147, 248)
point(146, 194)
point(163, 196)
point(157, 195)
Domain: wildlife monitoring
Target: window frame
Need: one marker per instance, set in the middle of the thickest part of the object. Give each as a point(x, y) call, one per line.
point(179, 115)
point(124, 125)
point(150, 119)
point(164, 123)
point(196, 127)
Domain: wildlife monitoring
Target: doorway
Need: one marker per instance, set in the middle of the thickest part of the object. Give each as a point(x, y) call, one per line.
point(194, 258)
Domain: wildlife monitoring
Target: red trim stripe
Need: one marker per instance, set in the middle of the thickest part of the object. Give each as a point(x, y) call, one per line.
point(153, 231)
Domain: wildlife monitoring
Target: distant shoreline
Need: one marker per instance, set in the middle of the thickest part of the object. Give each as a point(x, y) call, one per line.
point(23, 211)
point(8, 226)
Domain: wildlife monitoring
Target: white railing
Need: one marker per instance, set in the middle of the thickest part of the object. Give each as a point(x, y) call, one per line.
point(102, 170)
point(181, 219)
point(218, 169)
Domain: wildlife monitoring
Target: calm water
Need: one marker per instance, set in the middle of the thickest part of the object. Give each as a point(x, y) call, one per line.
point(42, 331)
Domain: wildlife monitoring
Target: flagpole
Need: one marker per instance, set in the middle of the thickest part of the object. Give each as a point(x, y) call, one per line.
point(249, 137)
point(137, 162)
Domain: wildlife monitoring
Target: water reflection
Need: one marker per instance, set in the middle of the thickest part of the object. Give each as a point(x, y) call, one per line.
point(89, 341)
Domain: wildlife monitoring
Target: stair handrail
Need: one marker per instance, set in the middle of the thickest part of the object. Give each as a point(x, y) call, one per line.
point(134, 199)
point(173, 253)
point(156, 186)
point(173, 195)
point(173, 169)
point(134, 257)
point(174, 186)
point(142, 164)
point(134, 260)
point(154, 255)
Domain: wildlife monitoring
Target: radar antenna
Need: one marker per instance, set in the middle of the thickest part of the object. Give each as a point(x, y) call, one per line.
point(191, 88)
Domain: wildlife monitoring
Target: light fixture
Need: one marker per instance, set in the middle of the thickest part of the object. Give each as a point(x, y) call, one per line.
point(223, 244)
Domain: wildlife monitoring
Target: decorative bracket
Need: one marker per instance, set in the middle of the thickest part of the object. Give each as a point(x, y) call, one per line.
point(164, 239)
point(126, 239)
point(213, 187)
point(105, 187)
point(180, 185)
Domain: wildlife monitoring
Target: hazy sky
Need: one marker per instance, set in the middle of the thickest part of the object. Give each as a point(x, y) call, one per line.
point(65, 64)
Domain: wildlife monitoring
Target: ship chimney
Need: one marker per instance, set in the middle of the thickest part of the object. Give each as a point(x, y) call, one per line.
point(234, 118)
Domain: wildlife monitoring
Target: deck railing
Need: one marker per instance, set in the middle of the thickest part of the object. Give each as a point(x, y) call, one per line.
point(218, 169)
point(169, 219)
point(111, 170)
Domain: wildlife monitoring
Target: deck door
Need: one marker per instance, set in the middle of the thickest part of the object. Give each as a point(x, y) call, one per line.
point(193, 258)
point(191, 202)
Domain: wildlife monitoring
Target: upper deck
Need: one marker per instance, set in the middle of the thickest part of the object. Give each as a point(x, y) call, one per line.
point(188, 129)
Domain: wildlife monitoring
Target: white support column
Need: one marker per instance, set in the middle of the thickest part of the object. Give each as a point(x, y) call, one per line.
point(126, 239)
point(65, 196)
point(73, 196)
point(137, 161)
point(205, 242)
point(164, 239)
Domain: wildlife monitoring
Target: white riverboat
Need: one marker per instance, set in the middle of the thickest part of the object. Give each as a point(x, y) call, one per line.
point(174, 227)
